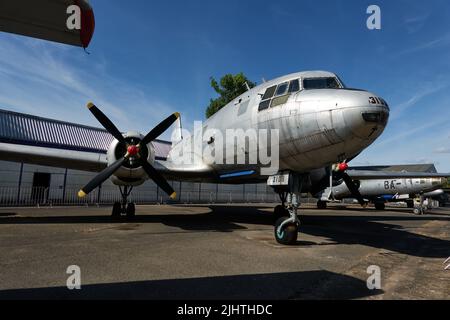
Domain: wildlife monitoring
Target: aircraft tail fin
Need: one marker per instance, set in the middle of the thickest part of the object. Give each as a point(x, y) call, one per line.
point(177, 133)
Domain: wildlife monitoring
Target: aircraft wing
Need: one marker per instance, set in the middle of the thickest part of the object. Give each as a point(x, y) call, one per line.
point(59, 157)
point(47, 19)
point(369, 174)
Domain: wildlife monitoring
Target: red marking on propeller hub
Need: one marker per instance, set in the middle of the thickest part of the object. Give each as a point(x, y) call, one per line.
point(343, 166)
point(133, 150)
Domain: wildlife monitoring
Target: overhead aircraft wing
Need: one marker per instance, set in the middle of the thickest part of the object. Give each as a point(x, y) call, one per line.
point(369, 174)
point(47, 19)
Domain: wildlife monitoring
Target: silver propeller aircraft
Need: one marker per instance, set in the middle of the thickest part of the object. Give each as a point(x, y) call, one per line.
point(380, 191)
point(318, 123)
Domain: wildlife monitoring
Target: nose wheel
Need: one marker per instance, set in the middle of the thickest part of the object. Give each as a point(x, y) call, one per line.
point(286, 231)
point(287, 223)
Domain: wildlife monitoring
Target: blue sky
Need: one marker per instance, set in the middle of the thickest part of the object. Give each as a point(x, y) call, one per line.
point(150, 58)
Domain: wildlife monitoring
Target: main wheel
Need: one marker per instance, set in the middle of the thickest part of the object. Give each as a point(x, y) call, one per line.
point(321, 205)
point(280, 211)
point(117, 210)
point(131, 209)
point(380, 206)
point(288, 234)
point(418, 211)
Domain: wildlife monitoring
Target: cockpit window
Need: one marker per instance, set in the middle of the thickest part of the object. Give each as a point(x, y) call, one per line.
point(278, 95)
point(269, 93)
point(294, 86)
point(321, 83)
point(282, 88)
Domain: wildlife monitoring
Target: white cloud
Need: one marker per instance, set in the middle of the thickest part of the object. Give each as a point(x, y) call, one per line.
point(398, 110)
point(53, 81)
point(442, 150)
point(441, 41)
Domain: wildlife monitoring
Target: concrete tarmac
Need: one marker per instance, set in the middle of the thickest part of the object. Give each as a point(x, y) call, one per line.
point(223, 252)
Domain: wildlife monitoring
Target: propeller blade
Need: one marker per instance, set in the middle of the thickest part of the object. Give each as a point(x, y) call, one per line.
point(101, 177)
point(158, 179)
point(106, 123)
point(353, 189)
point(160, 128)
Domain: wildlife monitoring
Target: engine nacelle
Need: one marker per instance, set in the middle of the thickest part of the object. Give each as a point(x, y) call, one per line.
point(131, 172)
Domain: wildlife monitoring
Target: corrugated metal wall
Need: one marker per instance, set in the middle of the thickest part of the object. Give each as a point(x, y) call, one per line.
point(31, 130)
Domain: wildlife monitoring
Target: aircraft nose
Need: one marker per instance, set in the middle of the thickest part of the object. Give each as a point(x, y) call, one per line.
point(366, 114)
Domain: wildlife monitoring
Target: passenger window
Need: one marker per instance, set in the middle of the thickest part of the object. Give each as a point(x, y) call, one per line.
point(294, 86)
point(282, 88)
point(269, 93)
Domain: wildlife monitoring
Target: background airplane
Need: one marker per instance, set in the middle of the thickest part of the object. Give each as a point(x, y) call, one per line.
point(380, 191)
point(320, 123)
point(47, 19)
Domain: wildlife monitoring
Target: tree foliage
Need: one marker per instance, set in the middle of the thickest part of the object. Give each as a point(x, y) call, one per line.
point(230, 87)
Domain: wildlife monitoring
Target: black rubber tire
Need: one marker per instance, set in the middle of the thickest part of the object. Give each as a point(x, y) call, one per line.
point(380, 206)
point(116, 210)
point(131, 210)
point(288, 235)
point(280, 212)
point(322, 205)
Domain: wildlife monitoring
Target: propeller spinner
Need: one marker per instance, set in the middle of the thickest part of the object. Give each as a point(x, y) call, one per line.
point(132, 151)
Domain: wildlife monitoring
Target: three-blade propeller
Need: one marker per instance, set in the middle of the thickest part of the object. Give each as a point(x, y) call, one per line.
point(132, 151)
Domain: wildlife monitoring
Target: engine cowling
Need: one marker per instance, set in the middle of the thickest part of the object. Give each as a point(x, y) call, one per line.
point(131, 172)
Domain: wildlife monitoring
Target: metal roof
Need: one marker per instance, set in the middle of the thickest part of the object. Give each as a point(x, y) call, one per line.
point(25, 129)
point(428, 168)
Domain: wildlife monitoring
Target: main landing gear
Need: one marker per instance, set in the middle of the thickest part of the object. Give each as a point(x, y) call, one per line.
point(124, 207)
point(287, 222)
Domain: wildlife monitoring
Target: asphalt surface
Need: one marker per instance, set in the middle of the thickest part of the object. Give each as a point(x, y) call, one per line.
point(222, 252)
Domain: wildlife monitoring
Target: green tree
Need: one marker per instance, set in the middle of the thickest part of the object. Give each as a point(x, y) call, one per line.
point(230, 87)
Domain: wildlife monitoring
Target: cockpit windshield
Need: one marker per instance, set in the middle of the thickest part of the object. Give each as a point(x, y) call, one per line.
point(321, 83)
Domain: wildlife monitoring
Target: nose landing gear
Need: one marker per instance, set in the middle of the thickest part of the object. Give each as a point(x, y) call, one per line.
point(286, 228)
point(287, 223)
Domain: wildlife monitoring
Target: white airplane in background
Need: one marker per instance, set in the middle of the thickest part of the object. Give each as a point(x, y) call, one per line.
point(380, 191)
point(320, 123)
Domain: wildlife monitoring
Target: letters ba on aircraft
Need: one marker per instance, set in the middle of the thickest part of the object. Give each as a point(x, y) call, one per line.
point(65, 21)
point(380, 191)
point(319, 122)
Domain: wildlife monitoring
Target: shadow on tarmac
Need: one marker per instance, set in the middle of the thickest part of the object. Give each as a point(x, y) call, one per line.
point(274, 286)
point(381, 230)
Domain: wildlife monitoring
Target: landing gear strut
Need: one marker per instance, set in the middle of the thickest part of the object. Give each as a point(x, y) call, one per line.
point(420, 209)
point(124, 208)
point(281, 211)
point(286, 228)
point(287, 221)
